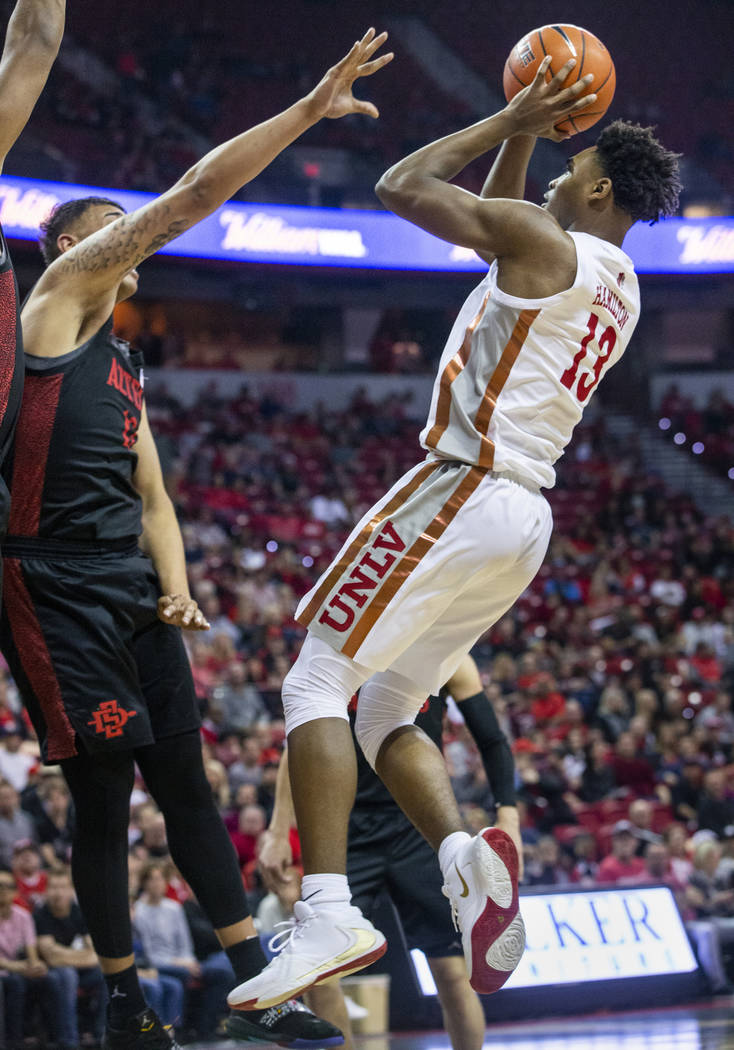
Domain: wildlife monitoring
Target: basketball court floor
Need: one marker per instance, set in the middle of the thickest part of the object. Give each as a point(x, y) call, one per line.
point(706, 1025)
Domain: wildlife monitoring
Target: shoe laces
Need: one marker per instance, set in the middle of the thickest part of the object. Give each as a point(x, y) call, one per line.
point(292, 928)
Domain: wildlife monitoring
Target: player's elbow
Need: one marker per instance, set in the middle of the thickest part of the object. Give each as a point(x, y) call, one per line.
point(395, 190)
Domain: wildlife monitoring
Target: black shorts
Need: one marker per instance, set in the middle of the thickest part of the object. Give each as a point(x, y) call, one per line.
point(386, 854)
point(90, 657)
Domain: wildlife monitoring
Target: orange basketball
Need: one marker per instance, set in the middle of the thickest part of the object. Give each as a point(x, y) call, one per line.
point(563, 42)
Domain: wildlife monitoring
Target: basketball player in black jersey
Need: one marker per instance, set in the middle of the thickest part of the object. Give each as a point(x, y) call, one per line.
point(385, 853)
point(32, 42)
point(91, 622)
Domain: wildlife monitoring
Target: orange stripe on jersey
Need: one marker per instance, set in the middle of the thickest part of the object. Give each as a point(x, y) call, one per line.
point(450, 372)
point(350, 553)
point(410, 560)
point(499, 377)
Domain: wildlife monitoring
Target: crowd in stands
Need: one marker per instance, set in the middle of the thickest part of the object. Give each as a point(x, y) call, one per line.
point(168, 81)
point(706, 432)
point(612, 677)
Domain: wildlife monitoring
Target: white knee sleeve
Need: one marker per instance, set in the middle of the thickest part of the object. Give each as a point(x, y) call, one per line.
point(320, 684)
point(386, 702)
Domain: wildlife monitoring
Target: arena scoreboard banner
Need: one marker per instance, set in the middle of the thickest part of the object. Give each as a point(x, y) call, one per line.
point(264, 233)
point(596, 935)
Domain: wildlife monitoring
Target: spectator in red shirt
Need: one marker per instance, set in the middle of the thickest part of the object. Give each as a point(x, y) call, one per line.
point(631, 770)
point(548, 703)
point(621, 867)
point(251, 826)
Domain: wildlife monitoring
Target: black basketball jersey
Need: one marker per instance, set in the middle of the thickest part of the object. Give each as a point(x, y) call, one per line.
point(371, 791)
point(11, 366)
point(73, 459)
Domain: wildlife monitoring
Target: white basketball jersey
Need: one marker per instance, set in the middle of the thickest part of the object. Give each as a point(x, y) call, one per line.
point(516, 374)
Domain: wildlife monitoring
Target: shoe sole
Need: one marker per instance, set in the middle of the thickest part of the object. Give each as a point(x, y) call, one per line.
point(343, 970)
point(246, 1031)
point(498, 934)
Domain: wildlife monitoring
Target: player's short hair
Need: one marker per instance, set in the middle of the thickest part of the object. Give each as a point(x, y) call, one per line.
point(61, 219)
point(645, 176)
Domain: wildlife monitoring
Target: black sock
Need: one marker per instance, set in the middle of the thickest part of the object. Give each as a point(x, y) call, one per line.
point(125, 996)
point(247, 958)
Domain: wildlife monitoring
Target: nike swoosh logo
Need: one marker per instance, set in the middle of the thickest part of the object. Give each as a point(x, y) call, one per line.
point(465, 890)
point(364, 942)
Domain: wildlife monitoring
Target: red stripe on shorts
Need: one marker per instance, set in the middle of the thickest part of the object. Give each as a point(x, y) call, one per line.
point(410, 560)
point(36, 661)
point(32, 440)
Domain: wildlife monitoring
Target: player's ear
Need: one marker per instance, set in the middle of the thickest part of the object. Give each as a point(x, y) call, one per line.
point(601, 190)
point(64, 241)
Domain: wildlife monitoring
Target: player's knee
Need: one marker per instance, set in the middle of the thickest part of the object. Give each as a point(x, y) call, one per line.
point(319, 685)
point(373, 728)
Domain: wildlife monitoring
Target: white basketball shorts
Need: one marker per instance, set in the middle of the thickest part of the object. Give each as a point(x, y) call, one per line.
point(439, 559)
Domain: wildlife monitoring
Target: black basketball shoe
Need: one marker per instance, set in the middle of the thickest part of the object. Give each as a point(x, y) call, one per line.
point(142, 1032)
point(291, 1024)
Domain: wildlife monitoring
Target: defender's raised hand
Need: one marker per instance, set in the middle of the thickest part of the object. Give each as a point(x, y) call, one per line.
point(332, 97)
point(541, 105)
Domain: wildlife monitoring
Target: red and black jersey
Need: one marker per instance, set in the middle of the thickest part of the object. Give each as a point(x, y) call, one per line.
point(73, 459)
point(11, 365)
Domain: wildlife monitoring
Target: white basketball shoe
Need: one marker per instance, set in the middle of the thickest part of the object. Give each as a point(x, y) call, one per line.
point(313, 947)
point(482, 885)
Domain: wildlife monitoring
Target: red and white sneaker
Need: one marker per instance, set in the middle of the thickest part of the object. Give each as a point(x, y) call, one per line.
point(313, 947)
point(482, 885)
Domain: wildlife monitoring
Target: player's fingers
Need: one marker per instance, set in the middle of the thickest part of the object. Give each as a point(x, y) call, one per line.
point(576, 89)
point(368, 36)
point(349, 57)
point(368, 68)
point(369, 47)
point(558, 80)
point(367, 108)
point(543, 69)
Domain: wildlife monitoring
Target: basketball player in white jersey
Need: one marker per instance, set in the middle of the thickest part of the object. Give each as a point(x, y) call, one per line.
point(455, 542)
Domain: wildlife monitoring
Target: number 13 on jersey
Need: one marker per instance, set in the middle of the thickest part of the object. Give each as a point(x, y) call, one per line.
point(605, 342)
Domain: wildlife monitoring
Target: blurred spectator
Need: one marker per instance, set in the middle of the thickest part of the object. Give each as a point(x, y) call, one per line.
point(252, 823)
point(597, 780)
point(30, 878)
point(14, 823)
point(641, 815)
point(160, 924)
point(237, 701)
point(55, 823)
point(66, 948)
point(675, 839)
point(713, 908)
point(631, 770)
point(20, 966)
point(715, 806)
point(546, 869)
point(622, 866)
point(15, 763)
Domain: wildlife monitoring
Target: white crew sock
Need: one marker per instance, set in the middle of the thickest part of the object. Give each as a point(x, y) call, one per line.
point(325, 891)
point(450, 847)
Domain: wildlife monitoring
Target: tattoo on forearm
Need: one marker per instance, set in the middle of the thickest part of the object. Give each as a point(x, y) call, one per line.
point(124, 244)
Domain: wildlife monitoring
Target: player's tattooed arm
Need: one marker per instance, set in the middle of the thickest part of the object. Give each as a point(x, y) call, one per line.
point(123, 244)
point(32, 42)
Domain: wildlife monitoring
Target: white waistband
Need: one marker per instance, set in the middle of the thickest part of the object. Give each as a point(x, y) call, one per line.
point(511, 475)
